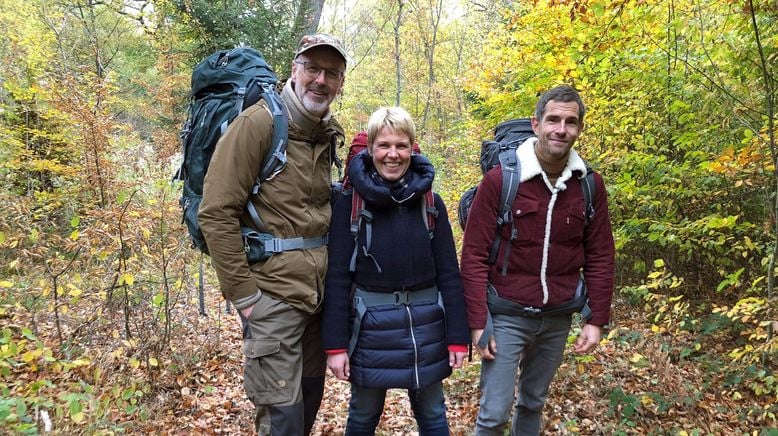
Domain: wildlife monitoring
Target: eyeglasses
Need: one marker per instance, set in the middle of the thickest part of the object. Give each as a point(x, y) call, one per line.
point(313, 71)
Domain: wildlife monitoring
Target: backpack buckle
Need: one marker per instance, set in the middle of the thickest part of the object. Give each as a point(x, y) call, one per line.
point(401, 297)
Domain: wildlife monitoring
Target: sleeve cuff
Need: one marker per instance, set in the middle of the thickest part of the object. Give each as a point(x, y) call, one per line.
point(457, 348)
point(336, 351)
point(242, 303)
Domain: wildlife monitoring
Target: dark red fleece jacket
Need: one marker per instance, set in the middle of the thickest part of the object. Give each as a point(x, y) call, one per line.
point(541, 265)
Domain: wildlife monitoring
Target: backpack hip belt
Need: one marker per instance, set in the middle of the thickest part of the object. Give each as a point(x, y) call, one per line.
point(502, 306)
point(370, 299)
point(364, 299)
point(499, 305)
point(260, 246)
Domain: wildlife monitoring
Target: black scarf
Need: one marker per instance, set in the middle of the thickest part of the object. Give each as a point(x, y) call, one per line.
point(378, 192)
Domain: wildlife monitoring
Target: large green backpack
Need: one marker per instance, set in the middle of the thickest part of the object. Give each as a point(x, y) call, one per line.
point(223, 85)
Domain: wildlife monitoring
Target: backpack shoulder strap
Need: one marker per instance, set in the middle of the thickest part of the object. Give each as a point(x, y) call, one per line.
point(336, 140)
point(359, 214)
point(511, 176)
point(429, 212)
point(588, 187)
point(275, 159)
point(276, 156)
point(357, 204)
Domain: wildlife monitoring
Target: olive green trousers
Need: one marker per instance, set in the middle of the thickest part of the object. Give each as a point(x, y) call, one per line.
point(284, 367)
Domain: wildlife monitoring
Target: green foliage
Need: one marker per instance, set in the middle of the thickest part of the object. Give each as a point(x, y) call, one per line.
point(663, 169)
point(267, 26)
point(35, 139)
point(748, 344)
point(21, 351)
point(625, 405)
point(754, 345)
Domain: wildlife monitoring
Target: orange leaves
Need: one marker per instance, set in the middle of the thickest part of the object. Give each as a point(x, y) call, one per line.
point(743, 164)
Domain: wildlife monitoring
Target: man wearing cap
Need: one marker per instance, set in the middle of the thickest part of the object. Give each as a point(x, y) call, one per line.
point(279, 299)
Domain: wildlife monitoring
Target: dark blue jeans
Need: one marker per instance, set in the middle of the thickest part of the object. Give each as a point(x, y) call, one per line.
point(366, 406)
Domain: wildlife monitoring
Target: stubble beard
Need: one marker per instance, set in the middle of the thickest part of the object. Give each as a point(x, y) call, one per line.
point(312, 103)
point(548, 155)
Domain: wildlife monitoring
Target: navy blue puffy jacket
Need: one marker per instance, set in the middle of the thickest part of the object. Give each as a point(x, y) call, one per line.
point(399, 346)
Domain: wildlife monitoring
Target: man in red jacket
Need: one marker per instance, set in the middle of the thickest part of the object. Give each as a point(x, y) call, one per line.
point(520, 318)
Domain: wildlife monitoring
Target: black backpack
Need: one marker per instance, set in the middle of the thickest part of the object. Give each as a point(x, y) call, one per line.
point(223, 85)
point(508, 136)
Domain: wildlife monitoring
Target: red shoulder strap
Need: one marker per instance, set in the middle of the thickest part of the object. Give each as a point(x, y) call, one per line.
point(430, 212)
point(357, 204)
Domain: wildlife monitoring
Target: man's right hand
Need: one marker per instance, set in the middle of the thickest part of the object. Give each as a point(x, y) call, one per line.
point(487, 352)
point(338, 364)
point(246, 311)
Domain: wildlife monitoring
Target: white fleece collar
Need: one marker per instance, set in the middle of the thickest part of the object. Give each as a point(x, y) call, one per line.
point(530, 166)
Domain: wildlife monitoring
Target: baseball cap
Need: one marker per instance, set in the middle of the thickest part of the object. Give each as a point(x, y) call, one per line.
point(318, 39)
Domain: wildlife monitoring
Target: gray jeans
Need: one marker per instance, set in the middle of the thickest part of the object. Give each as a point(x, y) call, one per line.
point(534, 347)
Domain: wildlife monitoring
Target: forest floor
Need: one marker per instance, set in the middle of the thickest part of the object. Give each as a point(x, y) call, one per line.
point(634, 383)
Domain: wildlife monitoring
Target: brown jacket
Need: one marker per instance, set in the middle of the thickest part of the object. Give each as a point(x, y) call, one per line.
point(294, 203)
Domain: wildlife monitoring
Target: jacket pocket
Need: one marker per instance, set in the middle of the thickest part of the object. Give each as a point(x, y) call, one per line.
point(525, 220)
point(267, 377)
point(567, 224)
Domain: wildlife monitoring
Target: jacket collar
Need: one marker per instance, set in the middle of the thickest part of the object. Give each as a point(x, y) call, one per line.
point(530, 166)
point(298, 115)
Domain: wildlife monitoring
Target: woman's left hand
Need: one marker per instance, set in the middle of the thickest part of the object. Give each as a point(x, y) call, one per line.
point(338, 364)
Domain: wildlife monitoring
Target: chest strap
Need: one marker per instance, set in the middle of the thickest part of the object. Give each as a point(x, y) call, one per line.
point(278, 245)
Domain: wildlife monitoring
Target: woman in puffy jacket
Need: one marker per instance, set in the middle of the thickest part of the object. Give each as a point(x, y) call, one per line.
point(394, 312)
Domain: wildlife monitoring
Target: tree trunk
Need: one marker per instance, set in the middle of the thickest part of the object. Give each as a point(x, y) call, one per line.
point(398, 68)
point(308, 17)
point(770, 110)
point(436, 11)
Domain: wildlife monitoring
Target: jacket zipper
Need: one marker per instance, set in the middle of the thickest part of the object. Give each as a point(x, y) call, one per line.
point(415, 348)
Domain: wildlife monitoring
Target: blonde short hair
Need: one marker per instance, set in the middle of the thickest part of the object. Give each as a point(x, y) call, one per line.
point(391, 117)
